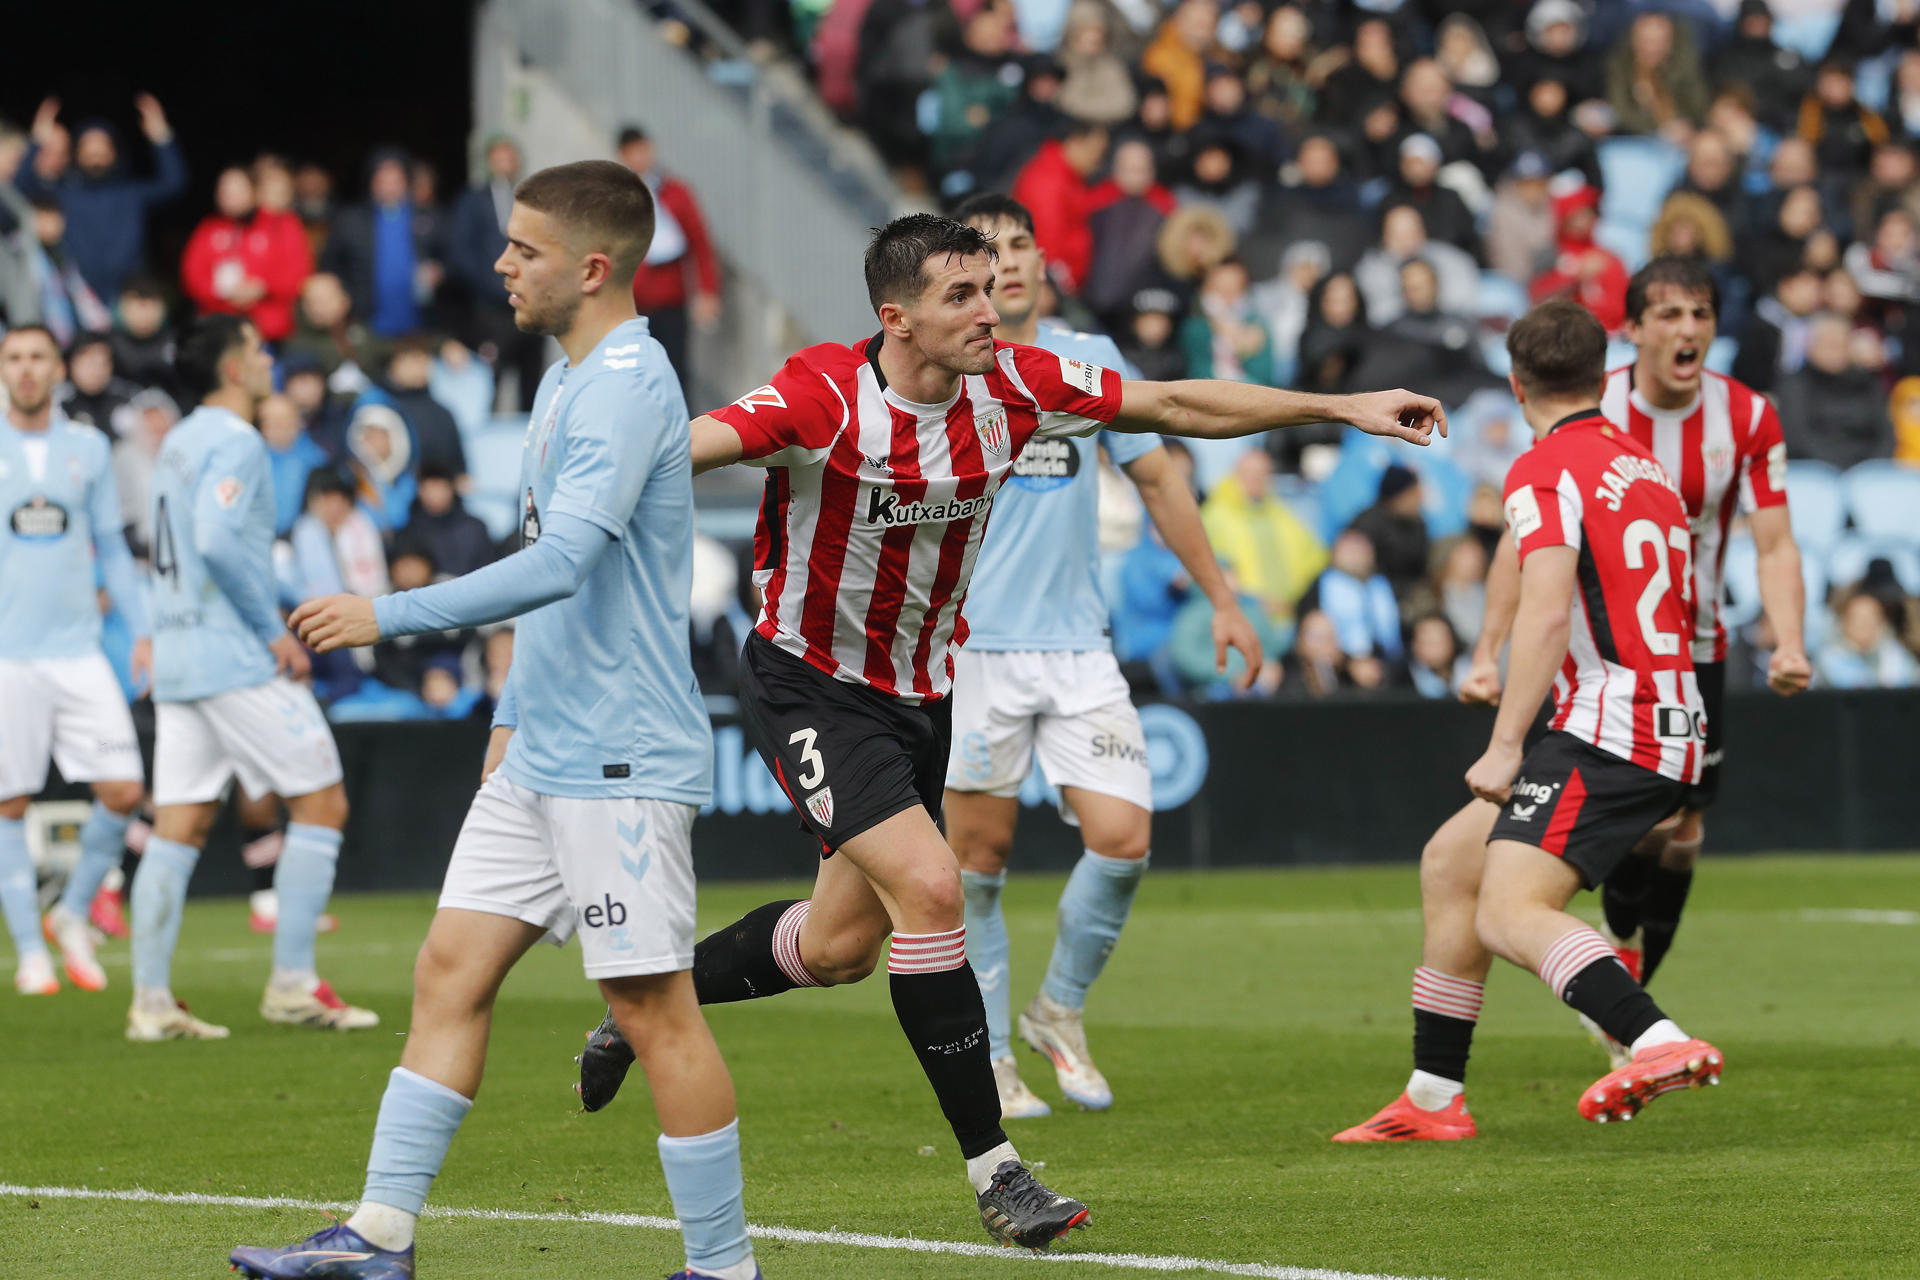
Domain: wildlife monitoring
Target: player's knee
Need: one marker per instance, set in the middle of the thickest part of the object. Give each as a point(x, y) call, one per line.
point(1127, 840)
point(326, 808)
point(121, 797)
point(935, 895)
point(1449, 870)
point(983, 850)
point(441, 980)
point(843, 965)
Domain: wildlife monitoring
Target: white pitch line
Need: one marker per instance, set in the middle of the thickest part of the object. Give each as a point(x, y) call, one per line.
point(789, 1235)
point(1837, 916)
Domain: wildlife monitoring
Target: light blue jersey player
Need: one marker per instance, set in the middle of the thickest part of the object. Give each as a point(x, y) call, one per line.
point(601, 752)
point(1038, 677)
point(227, 699)
point(59, 697)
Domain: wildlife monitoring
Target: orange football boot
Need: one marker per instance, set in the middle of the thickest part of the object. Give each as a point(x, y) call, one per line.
point(1662, 1068)
point(1401, 1121)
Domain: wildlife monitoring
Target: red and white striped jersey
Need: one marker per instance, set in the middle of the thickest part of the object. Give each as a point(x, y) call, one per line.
point(1627, 685)
point(1725, 445)
point(875, 506)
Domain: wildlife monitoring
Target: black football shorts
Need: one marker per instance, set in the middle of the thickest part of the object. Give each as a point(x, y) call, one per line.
point(848, 757)
point(1586, 806)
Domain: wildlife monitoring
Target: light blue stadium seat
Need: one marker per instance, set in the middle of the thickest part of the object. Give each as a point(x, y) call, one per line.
point(1742, 579)
point(1501, 297)
point(493, 458)
point(1493, 349)
point(1848, 558)
point(1807, 34)
point(495, 510)
point(1721, 354)
point(1354, 485)
point(1619, 352)
point(1884, 500)
point(1637, 173)
point(1625, 241)
point(1818, 503)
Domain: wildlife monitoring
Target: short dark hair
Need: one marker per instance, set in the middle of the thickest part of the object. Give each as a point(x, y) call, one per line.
point(196, 365)
point(1559, 349)
point(410, 344)
point(436, 470)
point(88, 338)
point(143, 284)
point(630, 134)
point(1686, 272)
point(40, 329)
point(991, 206)
point(600, 199)
point(326, 480)
point(897, 254)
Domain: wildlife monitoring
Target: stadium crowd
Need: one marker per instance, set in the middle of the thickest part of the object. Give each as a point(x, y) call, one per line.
point(1324, 194)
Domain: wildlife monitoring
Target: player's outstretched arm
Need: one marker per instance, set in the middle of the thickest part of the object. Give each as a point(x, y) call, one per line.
point(1168, 500)
point(715, 444)
point(1783, 597)
point(1482, 684)
point(1210, 409)
point(1540, 629)
point(551, 569)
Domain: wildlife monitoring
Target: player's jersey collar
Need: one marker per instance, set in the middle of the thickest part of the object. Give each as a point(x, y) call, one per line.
point(1583, 418)
point(900, 402)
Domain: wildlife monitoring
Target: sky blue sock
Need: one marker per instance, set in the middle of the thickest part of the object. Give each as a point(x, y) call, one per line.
point(703, 1178)
point(1093, 909)
point(990, 954)
point(418, 1118)
point(102, 840)
point(159, 898)
point(304, 881)
point(19, 889)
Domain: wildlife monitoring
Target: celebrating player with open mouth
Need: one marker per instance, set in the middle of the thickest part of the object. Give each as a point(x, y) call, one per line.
point(882, 461)
point(1604, 609)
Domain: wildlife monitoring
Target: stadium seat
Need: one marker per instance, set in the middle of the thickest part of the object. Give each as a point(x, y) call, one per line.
point(495, 510)
point(1620, 352)
point(1807, 34)
point(1493, 350)
point(493, 458)
point(1501, 297)
point(1637, 173)
point(1720, 355)
point(1848, 558)
point(1818, 502)
point(1625, 241)
point(1446, 491)
point(1884, 500)
point(1742, 578)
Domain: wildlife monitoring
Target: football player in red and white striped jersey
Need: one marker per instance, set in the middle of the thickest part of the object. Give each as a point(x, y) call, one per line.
point(1603, 617)
point(882, 460)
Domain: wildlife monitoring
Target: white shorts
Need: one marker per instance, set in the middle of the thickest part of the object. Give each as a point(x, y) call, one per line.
point(271, 736)
point(1071, 708)
point(618, 870)
point(69, 710)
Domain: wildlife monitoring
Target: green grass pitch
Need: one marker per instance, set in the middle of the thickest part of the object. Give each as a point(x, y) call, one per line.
point(1245, 1017)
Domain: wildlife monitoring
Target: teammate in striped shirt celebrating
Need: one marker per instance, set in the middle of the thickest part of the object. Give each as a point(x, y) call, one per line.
point(882, 462)
point(1603, 616)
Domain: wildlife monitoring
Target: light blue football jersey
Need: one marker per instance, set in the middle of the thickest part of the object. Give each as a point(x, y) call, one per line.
point(602, 681)
point(212, 498)
point(53, 513)
point(1037, 582)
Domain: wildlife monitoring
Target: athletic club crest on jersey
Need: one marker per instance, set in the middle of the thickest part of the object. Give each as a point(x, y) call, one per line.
point(991, 424)
point(820, 805)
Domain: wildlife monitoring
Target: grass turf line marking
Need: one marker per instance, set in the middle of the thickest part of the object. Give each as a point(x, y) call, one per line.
point(789, 1235)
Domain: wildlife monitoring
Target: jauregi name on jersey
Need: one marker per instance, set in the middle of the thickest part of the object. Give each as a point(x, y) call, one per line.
point(1723, 450)
point(1627, 685)
point(876, 507)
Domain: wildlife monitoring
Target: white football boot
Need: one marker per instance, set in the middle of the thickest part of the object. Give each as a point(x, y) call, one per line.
point(1017, 1102)
point(1056, 1032)
point(313, 1004)
point(74, 937)
point(34, 976)
point(169, 1024)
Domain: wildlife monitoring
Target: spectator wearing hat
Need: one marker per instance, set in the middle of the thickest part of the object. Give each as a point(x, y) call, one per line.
point(1521, 225)
point(105, 208)
point(1150, 337)
point(1842, 132)
point(1544, 124)
point(1557, 49)
point(387, 251)
point(1445, 214)
point(1775, 77)
point(381, 456)
point(1397, 530)
point(1582, 270)
point(680, 279)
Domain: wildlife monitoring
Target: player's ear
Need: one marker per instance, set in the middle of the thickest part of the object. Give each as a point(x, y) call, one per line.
point(1519, 396)
point(595, 270)
point(893, 320)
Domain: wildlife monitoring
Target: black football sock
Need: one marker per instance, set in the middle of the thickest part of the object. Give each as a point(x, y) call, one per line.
point(937, 1000)
point(1666, 897)
point(1582, 970)
point(1623, 896)
point(1445, 1010)
point(757, 955)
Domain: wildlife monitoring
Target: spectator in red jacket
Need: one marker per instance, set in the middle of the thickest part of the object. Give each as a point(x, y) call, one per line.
point(244, 260)
point(681, 277)
point(1054, 186)
point(1581, 269)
